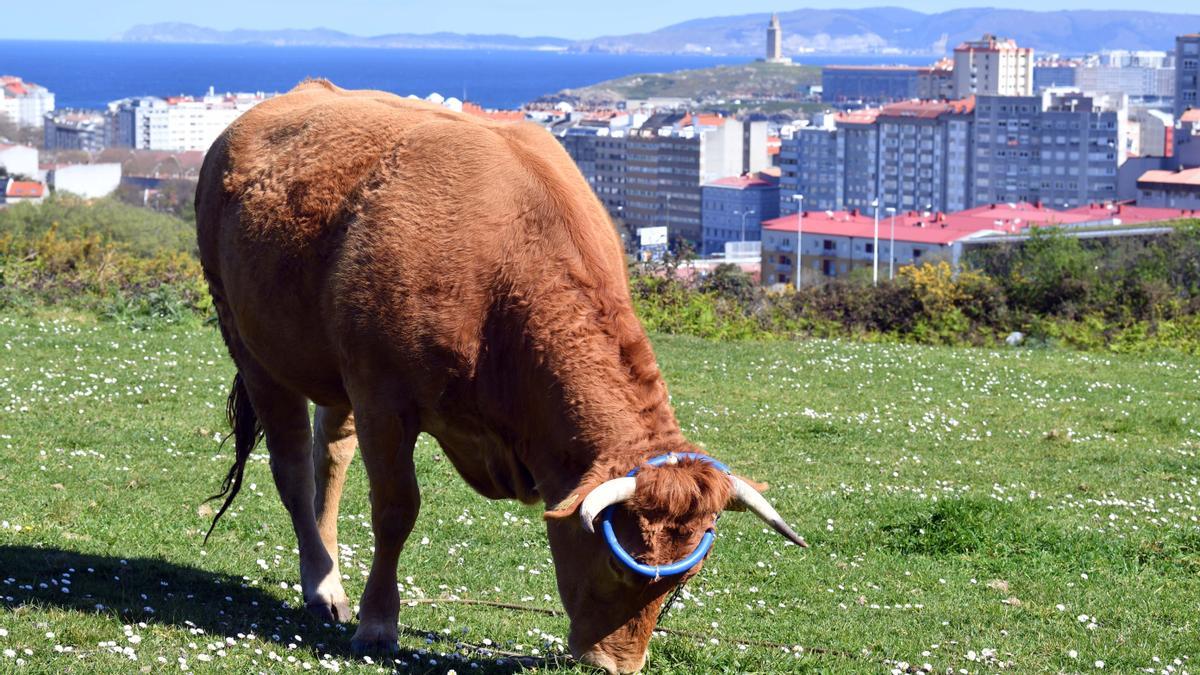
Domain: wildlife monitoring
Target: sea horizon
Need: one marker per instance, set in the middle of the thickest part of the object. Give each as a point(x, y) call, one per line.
point(90, 74)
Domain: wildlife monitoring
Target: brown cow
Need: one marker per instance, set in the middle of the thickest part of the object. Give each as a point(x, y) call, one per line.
point(410, 269)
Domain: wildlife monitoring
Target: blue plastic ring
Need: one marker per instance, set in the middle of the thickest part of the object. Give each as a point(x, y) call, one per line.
point(679, 566)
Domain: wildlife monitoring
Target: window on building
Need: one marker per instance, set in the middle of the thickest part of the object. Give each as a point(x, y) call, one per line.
point(869, 247)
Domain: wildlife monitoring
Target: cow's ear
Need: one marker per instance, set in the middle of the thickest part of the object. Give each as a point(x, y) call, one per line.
point(566, 508)
point(570, 504)
point(735, 505)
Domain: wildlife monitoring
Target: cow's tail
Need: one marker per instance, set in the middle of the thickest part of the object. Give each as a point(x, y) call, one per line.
point(246, 433)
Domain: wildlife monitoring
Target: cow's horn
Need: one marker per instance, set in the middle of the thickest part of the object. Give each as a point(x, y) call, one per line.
point(750, 498)
point(605, 495)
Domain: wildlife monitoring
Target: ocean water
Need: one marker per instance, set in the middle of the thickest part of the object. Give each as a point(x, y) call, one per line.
point(90, 74)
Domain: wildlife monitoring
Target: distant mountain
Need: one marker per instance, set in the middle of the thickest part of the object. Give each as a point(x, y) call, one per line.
point(324, 37)
point(878, 30)
point(883, 30)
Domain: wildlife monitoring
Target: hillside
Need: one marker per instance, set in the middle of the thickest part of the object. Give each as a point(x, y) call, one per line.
point(745, 81)
point(323, 37)
point(886, 30)
point(876, 30)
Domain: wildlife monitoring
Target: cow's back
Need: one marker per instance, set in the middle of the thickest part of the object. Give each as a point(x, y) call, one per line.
point(333, 223)
point(295, 162)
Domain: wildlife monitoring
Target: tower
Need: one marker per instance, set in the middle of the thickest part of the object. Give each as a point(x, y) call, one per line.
point(774, 40)
point(775, 43)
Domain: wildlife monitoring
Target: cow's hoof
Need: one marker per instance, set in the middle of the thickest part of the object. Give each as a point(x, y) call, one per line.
point(374, 647)
point(336, 611)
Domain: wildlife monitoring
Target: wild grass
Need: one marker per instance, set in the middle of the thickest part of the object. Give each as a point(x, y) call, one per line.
point(971, 509)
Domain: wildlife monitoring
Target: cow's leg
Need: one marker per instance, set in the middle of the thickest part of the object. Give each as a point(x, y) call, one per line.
point(386, 436)
point(333, 448)
point(284, 418)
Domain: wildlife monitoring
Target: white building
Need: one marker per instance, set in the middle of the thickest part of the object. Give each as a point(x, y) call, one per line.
point(24, 103)
point(19, 160)
point(176, 123)
point(992, 66)
point(1150, 132)
point(86, 180)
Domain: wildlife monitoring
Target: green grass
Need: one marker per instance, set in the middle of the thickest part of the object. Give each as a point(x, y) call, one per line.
point(964, 507)
point(746, 80)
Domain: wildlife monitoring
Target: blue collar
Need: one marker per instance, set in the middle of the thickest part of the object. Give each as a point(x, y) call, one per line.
point(679, 566)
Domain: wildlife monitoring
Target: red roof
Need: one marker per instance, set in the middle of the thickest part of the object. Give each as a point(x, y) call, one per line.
point(928, 109)
point(1129, 214)
point(1013, 217)
point(1192, 115)
point(910, 227)
point(703, 119)
point(496, 115)
point(23, 189)
point(857, 116)
point(1189, 177)
point(756, 180)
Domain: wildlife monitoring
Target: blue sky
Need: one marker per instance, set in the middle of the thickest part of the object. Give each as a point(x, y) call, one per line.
point(86, 19)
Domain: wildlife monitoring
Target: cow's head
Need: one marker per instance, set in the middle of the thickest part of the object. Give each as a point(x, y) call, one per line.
point(660, 517)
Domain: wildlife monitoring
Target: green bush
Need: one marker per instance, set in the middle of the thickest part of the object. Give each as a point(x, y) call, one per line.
point(1127, 295)
point(117, 260)
point(140, 231)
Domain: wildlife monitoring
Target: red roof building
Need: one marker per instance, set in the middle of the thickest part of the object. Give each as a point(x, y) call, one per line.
point(23, 190)
point(837, 242)
point(1170, 189)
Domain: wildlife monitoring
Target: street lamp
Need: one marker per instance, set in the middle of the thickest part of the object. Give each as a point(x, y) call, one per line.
point(799, 240)
point(875, 246)
point(747, 213)
point(892, 246)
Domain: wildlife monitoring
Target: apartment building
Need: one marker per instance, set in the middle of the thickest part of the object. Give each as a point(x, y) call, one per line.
point(648, 170)
point(733, 209)
point(85, 130)
point(914, 155)
point(936, 83)
point(667, 159)
point(1139, 83)
point(809, 165)
point(176, 123)
point(871, 84)
point(599, 152)
point(833, 165)
point(924, 155)
point(1062, 148)
point(1055, 73)
point(1186, 139)
point(24, 103)
point(1187, 73)
point(992, 66)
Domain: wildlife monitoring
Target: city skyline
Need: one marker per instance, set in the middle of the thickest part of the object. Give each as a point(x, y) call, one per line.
point(515, 17)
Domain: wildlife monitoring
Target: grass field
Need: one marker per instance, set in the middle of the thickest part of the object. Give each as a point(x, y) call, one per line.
point(974, 510)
